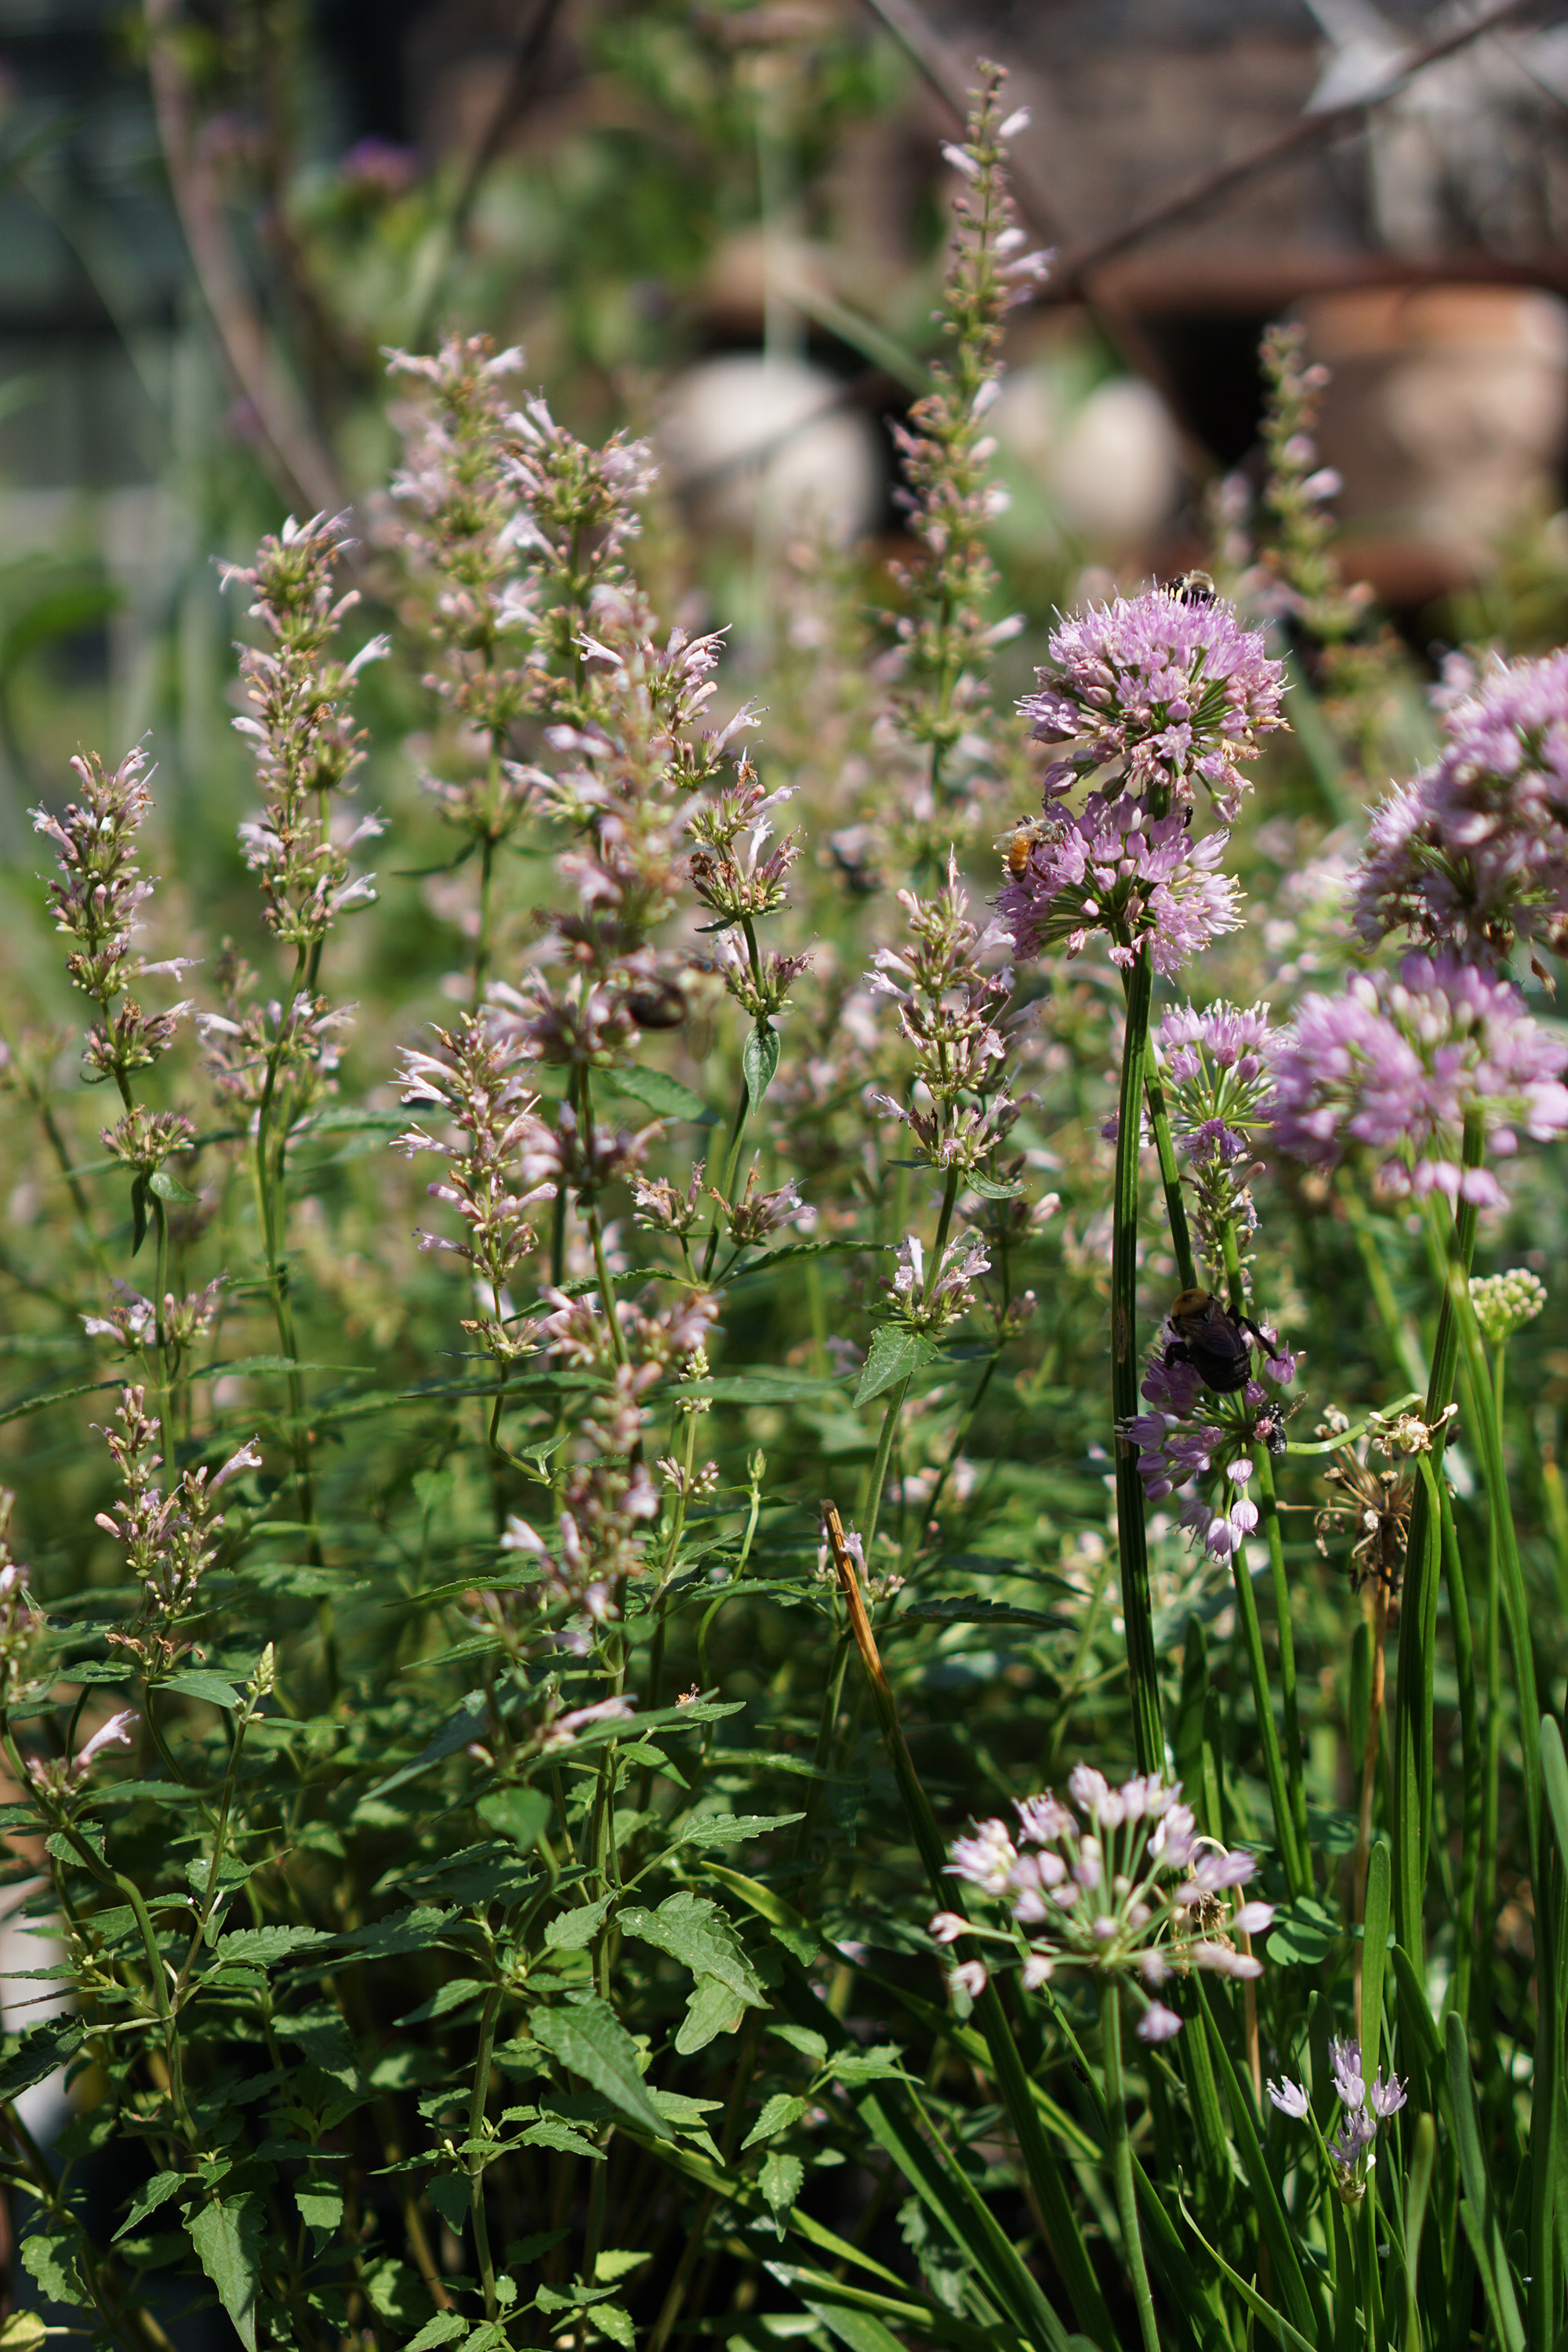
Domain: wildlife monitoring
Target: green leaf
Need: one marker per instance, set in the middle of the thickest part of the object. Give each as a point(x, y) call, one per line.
point(1478, 2210)
point(169, 1187)
point(779, 2180)
point(37, 2055)
point(397, 2292)
point(452, 2195)
point(615, 2263)
point(732, 1829)
point(813, 2047)
point(147, 2199)
point(550, 2132)
point(260, 1946)
point(520, 1814)
point(439, 2330)
point(455, 1993)
point(226, 2235)
point(1304, 1932)
point(780, 2114)
point(404, 1931)
point(1374, 1952)
point(694, 1930)
point(760, 1061)
point(851, 2067)
point(591, 2041)
point(23, 2332)
point(989, 1189)
point(321, 2204)
point(661, 1094)
point(896, 1354)
point(455, 1733)
point(52, 2260)
point(981, 1612)
point(195, 1681)
point(764, 1387)
point(611, 2320)
point(711, 2008)
point(573, 1931)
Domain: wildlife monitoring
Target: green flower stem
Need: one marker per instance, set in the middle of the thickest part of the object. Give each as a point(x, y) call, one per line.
point(487, 875)
point(1121, 2159)
point(873, 1505)
point(1298, 1873)
point(1412, 1729)
point(1057, 2219)
point(488, 2017)
point(1137, 1607)
point(1296, 1850)
point(1469, 1926)
point(1170, 1175)
point(743, 1105)
point(1403, 1337)
point(595, 1231)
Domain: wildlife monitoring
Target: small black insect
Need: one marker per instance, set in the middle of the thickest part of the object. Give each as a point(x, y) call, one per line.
point(1217, 1344)
point(660, 1005)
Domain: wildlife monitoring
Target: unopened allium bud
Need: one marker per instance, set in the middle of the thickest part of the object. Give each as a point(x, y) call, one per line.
point(1505, 1303)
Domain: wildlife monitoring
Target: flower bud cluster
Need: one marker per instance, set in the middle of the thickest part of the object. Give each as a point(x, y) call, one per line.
point(169, 1540)
point(949, 1012)
point(97, 903)
point(132, 1321)
point(1394, 1064)
point(943, 640)
point(1125, 1882)
point(1361, 2107)
point(1505, 1303)
point(1302, 563)
point(57, 1779)
point(20, 1618)
point(1215, 1067)
point(283, 1052)
point(477, 1083)
point(934, 1304)
point(301, 737)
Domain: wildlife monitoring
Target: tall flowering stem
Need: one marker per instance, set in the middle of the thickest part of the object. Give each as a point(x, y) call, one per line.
point(306, 748)
point(1136, 1604)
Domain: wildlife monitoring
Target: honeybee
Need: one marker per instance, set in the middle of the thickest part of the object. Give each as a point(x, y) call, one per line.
point(1016, 844)
point(1194, 588)
point(1217, 1344)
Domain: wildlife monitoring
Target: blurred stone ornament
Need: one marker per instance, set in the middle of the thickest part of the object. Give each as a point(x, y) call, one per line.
point(1111, 465)
point(758, 441)
point(1445, 420)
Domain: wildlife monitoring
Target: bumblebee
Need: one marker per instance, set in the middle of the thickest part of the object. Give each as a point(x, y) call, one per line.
point(1217, 1344)
point(1194, 588)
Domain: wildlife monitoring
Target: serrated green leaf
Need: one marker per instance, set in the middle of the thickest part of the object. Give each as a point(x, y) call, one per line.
point(452, 2195)
point(37, 2055)
point(147, 2199)
point(760, 1061)
point(780, 2114)
point(571, 1931)
point(439, 2330)
point(321, 2204)
point(260, 1946)
point(896, 1354)
point(693, 1930)
point(853, 2067)
point(226, 2235)
point(733, 1829)
point(711, 2008)
point(591, 2041)
point(781, 2180)
point(617, 2324)
point(813, 2047)
point(616, 2262)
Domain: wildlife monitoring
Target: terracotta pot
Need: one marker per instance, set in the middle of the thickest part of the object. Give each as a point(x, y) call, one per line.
point(1446, 419)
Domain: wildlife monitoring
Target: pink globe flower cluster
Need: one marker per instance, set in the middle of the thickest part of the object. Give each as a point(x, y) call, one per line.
point(1172, 689)
point(1122, 1882)
point(1171, 693)
point(1394, 1064)
point(1474, 853)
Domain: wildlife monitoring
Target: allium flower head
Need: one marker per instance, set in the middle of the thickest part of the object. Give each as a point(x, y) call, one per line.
point(1474, 854)
point(1394, 1065)
point(1113, 868)
point(1118, 1880)
point(1175, 693)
